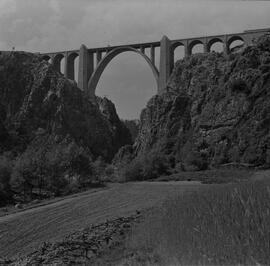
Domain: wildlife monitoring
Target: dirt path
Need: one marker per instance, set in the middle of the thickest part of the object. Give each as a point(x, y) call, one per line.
point(22, 232)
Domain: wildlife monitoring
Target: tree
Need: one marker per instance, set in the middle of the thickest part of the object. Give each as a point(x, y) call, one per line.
point(5, 175)
point(23, 177)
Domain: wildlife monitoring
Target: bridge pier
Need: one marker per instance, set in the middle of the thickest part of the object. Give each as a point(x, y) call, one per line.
point(165, 65)
point(205, 48)
point(86, 67)
point(226, 49)
point(187, 51)
point(69, 66)
point(99, 56)
point(153, 55)
point(66, 70)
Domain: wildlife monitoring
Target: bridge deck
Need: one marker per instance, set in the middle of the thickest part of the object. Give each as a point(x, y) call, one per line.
point(157, 44)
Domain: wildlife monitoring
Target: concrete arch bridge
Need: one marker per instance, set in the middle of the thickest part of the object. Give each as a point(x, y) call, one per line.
point(93, 61)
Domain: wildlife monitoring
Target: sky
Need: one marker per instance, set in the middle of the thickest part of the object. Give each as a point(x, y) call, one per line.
point(56, 25)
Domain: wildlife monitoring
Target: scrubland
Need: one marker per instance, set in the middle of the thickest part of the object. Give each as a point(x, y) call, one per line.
point(224, 225)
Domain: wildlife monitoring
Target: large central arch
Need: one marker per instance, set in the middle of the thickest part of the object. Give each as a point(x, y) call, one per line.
point(94, 79)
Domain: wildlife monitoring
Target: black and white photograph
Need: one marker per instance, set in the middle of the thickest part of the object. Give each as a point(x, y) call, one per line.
point(134, 133)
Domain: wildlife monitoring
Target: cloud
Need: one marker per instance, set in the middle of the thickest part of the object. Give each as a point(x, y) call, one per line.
point(7, 7)
point(38, 25)
point(44, 25)
point(51, 25)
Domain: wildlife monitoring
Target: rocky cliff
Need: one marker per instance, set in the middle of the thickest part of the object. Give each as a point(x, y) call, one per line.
point(120, 132)
point(37, 101)
point(215, 110)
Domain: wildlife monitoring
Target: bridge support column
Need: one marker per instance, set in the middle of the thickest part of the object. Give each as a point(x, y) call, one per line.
point(86, 68)
point(153, 54)
point(56, 62)
point(165, 63)
point(205, 48)
point(69, 67)
point(226, 48)
point(99, 56)
point(187, 51)
point(66, 66)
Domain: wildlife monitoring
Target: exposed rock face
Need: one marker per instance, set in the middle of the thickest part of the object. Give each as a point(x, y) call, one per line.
point(216, 110)
point(36, 100)
point(121, 134)
point(133, 126)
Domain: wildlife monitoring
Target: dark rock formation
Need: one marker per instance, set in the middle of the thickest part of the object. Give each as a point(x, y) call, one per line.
point(121, 134)
point(216, 110)
point(36, 100)
point(133, 126)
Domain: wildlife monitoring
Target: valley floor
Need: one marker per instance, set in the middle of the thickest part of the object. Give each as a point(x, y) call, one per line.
point(23, 232)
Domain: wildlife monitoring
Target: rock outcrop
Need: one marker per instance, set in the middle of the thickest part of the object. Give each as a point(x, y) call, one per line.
point(215, 110)
point(121, 134)
point(35, 101)
point(133, 126)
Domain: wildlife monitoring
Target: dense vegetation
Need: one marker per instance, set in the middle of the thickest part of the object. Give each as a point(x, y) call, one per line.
point(221, 226)
point(52, 137)
point(46, 170)
point(144, 167)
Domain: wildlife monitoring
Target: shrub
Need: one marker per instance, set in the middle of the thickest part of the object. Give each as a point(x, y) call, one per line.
point(155, 165)
point(99, 167)
point(51, 167)
point(146, 167)
point(267, 163)
point(134, 171)
point(69, 160)
point(109, 174)
point(195, 161)
point(239, 85)
point(5, 175)
point(23, 178)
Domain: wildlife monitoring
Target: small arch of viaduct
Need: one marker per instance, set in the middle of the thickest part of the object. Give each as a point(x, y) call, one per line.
point(92, 62)
point(69, 57)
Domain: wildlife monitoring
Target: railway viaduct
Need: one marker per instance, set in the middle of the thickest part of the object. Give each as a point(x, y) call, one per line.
point(93, 61)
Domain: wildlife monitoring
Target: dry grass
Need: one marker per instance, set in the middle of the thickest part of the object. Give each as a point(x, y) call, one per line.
point(23, 232)
point(217, 176)
point(225, 226)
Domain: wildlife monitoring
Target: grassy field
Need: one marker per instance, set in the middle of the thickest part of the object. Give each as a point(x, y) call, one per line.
point(217, 176)
point(197, 224)
point(227, 225)
point(22, 232)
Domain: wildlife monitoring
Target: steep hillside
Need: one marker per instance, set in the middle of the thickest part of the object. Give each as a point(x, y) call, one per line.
point(215, 110)
point(121, 133)
point(38, 102)
point(133, 126)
